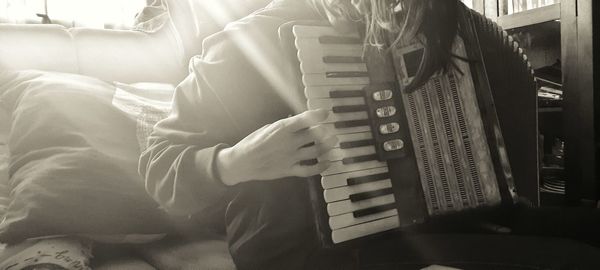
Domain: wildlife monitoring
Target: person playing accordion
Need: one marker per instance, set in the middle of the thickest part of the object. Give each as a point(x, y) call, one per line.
point(239, 145)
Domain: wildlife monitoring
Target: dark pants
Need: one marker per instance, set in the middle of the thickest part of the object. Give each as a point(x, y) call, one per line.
point(270, 226)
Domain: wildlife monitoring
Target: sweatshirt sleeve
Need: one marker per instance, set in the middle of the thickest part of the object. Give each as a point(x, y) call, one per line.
point(179, 164)
point(236, 86)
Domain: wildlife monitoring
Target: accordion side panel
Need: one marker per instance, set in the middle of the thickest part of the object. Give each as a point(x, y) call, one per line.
point(487, 184)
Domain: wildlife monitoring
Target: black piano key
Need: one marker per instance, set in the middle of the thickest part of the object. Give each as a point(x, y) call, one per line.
point(373, 210)
point(353, 144)
point(368, 178)
point(342, 59)
point(370, 194)
point(349, 108)
point(339, 40)
point(346, 74)
point(359, 159)
point(346, 93)
point(351, 124)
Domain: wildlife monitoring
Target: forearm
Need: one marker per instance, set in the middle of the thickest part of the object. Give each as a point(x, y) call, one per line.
point(183, 179)
point(225, 168)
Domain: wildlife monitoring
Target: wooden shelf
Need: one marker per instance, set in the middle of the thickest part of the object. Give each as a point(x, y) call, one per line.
point(550, 109)
point(530, 17)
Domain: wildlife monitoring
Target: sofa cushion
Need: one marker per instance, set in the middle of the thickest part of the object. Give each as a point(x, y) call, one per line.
point(111, 55)
point(45, 47)
point(129, 56)
point(160, 55)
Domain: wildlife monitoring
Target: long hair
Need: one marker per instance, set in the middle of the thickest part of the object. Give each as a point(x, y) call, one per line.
point(387, 22)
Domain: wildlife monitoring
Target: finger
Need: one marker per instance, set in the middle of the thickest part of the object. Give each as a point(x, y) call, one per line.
point(318, 132)
point(328, 143)
point(314, 134)
point(331, 141)
point(305, 120)
point(313, 151)
point(311, 170)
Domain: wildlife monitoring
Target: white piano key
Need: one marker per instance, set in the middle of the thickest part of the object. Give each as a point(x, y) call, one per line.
point(312, 48)
point(308, 66)
point(320, 79)
point(340, 180)
point(315, 31)
point(347, 220)
point(332, 130)
point(343, 193)
point(346, 206)
point(364, 229)
point(337, 154)
point(354, 137)
point(338, 167)
point(317, 65)
point(320, 68)
point(316, 92)
point(312, 57)
point(328, 103)
point(341, 117)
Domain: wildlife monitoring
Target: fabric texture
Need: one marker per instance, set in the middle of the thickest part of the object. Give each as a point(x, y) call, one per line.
point(57, 253)
point(73, 158)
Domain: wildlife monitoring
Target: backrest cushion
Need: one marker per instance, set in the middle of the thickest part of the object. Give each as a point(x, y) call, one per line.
point(129, 56)
point(45, 47)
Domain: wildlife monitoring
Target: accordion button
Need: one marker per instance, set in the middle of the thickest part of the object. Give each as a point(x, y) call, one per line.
point(389, 128)
point(382, 95)
point(386, 111)
point(393, 145)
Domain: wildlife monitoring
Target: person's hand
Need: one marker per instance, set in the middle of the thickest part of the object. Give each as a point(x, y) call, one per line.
point(278, 150)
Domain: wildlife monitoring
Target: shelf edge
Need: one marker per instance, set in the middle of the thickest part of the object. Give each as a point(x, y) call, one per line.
point(530, 17)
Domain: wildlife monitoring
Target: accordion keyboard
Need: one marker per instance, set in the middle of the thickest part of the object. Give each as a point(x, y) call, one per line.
point(357, 187)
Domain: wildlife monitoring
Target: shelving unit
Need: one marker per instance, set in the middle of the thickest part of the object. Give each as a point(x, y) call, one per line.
point(563, 31)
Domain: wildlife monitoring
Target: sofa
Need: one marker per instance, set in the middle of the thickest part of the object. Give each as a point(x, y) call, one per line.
point(155, 53)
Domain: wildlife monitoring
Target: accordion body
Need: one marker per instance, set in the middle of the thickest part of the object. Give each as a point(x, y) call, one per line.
point(403, 156)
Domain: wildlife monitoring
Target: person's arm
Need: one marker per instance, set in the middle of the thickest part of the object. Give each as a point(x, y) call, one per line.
point(202, 148)
point(179, 164)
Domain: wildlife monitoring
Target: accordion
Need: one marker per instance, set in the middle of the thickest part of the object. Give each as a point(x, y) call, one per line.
point(404, 156)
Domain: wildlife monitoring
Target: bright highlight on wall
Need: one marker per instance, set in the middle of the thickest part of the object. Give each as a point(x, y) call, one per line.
point(89, 13)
